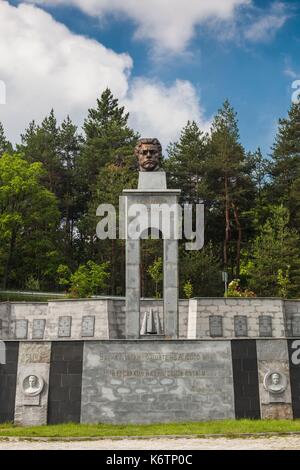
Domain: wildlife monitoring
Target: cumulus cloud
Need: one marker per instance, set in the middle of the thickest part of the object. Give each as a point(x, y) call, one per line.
point(156, 110)
point(268, 23)
point(45, 65)
point(168, 24)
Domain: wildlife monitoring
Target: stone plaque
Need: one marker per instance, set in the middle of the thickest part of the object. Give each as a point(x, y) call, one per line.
point(21, 329)
point(32, 401)
point(240, 325)
point(265, 325)
point(296, 325)
point(38, 329)
point(64, 327)
point(88, 326)
point(169, 381)
point(215, 325)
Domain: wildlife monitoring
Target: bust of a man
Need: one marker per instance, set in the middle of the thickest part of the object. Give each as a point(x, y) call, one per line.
point(149, 154)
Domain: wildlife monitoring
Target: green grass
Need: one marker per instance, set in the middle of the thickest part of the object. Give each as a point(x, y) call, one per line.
point(228, 427)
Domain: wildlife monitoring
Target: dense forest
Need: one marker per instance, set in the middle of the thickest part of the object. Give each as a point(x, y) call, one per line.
point(52, 182)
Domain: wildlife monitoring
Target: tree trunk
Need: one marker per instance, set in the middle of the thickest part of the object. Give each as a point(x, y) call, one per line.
point(8, 260)
point(239, 239)
point(227, 223)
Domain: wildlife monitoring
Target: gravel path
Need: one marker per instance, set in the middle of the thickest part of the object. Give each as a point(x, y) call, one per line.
point(271, 443)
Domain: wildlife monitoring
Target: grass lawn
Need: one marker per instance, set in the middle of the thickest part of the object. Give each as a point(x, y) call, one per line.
point(229, 427)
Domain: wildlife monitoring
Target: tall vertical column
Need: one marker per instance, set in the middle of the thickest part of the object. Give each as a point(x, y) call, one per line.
point(171, 288)
point(133, 289)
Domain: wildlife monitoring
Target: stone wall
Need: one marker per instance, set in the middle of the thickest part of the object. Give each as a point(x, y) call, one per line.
point(146, 382)
point(236, 317)
point(120, 381)
point(104, 318)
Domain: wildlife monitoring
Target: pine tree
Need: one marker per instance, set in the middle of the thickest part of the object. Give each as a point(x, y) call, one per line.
point(285, 168)
point(5, 145)
point(107, 137)
point(227, 177)
point(186, 162)
point(274, 256)
point(41, 144)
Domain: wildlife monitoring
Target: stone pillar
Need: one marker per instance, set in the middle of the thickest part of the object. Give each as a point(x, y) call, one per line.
point(171, 288)
point(32, 405)
point(133, 289)
point(275, 400)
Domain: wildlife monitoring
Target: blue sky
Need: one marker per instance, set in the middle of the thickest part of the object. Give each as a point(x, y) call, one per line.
point(248, 52)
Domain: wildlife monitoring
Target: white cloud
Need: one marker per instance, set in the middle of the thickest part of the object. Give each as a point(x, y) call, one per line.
point(156, 110)
point(168, 24)
point(268, 23)
point(45, 65)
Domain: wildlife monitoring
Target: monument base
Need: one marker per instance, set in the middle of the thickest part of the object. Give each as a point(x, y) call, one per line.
point(134, 381)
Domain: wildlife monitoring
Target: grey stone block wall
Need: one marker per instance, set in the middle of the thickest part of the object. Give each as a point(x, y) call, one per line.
point(5, 309)
point(241, 317)
point(274, 318)
point(292, 317)
point(161, 381)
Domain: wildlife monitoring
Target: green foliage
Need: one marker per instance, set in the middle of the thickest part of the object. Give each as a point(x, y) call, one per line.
point(203, 269)
point(51, 188)
point(156, 274)
point(88, 280)
point(64, 275)
point(188, 289)
point(5, 145)
point(275, 258)
point(283, 282)
point(234, 290)
point(28, 222)
point(32, 284)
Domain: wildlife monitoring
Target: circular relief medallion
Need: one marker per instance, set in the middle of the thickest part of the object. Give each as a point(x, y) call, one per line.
point(33, 385)
point(275, 382)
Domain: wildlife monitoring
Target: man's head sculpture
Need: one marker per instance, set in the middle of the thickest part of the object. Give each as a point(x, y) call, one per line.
point(149, 154)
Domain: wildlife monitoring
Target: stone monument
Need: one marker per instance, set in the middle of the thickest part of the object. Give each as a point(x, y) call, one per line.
point(153, 194)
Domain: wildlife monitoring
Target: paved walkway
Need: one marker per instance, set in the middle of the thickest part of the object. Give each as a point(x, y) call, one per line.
point(271, 443)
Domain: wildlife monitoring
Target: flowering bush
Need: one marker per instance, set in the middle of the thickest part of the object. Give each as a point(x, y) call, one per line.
point(234, 290)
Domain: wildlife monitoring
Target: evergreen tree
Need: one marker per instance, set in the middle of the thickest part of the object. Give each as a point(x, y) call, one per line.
point(274, 257)
point(285, 168)
point(5, 145)
point(203, 270)
point(41, 144)
point(71, 205)
point(107, 138)
point(186, 163)
point(227, 178)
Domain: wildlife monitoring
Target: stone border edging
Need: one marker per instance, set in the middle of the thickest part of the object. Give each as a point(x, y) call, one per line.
point(161, 436)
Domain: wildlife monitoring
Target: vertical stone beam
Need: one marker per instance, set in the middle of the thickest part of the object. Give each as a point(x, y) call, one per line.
point(272, 356)
point(171, 288)
point(133, 289)
point(34, 359)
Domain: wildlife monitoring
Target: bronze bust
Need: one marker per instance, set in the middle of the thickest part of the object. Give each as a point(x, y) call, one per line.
point(149, 154)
